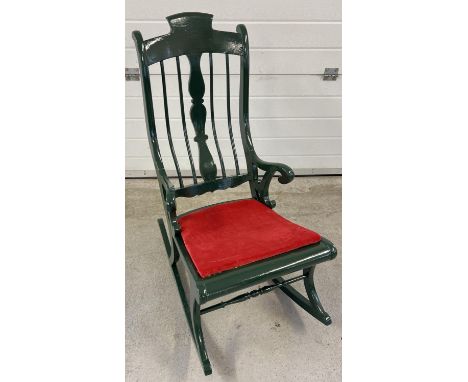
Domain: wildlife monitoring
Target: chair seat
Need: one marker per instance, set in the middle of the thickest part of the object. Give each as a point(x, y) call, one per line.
point(229, 235)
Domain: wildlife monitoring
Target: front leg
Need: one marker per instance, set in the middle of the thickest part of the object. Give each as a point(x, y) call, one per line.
point(311, 305)
point(198, 335)
point(317, 307)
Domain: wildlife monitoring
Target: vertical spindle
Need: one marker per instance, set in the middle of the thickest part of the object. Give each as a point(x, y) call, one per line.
point(215, 136)
point(228, 103)
point(168, 126)
point(184, 127)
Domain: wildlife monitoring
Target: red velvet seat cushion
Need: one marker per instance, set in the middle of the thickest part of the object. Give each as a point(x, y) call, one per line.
point(237, 233)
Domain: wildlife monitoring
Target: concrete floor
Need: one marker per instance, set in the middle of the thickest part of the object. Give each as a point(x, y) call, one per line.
point(267, 338)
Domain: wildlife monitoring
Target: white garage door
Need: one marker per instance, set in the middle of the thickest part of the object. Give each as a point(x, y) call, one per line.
point(295, 114)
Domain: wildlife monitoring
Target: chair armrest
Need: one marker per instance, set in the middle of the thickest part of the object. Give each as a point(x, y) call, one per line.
point(262, 187)
point(286, 172)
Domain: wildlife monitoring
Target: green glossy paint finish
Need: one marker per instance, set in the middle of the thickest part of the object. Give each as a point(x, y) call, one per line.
point(192, 36)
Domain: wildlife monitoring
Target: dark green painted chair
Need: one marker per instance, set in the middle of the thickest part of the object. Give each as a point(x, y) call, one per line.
point(271, 247)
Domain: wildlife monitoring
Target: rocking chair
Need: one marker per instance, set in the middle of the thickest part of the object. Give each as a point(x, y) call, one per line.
point(223, 248)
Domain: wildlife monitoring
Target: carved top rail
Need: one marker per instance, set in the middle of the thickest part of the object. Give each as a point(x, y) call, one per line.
point(191, 33)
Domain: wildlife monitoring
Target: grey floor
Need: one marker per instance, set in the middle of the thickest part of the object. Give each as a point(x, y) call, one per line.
point(268, 338)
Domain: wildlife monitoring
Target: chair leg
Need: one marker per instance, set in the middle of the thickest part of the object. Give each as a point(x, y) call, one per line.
point(324, 317)
point(197, 335)
point(311, 305)
point(192, 309)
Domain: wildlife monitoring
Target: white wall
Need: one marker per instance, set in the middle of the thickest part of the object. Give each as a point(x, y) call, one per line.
point(295, 115)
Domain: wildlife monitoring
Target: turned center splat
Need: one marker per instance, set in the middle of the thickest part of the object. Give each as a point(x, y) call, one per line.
point(196, 85)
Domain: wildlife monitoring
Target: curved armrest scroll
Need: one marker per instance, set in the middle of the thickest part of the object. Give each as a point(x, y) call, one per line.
point(286, 172)
point(270, 168)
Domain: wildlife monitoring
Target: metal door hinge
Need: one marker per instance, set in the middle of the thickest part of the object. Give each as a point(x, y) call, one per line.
point(330, 74)
point(132, 74)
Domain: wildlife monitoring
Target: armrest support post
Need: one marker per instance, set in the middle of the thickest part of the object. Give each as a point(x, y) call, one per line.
point(270, 168)
point(169, 197)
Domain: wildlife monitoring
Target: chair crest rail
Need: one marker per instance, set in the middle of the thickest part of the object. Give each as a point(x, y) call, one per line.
point(191, 33)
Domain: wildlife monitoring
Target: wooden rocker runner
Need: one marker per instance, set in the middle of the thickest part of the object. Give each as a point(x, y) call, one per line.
point(223, 248)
